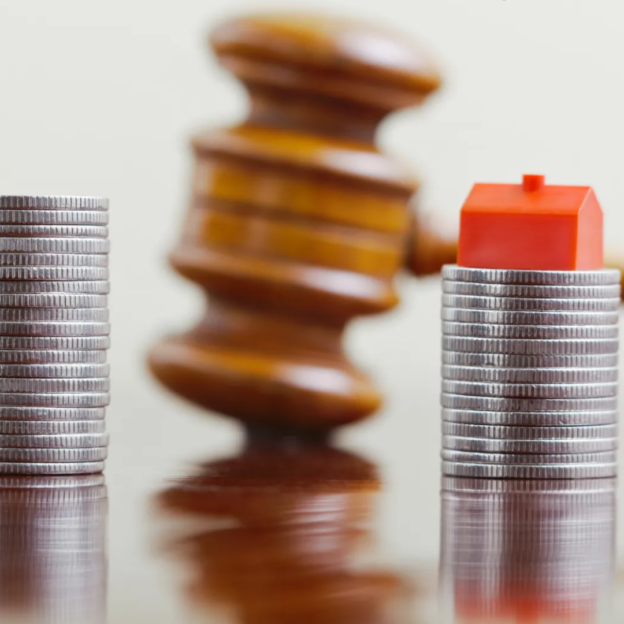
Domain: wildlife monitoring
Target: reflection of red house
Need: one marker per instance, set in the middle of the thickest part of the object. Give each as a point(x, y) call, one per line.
point(531, 226)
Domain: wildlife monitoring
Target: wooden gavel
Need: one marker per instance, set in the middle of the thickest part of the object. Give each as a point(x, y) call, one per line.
point(298, 223)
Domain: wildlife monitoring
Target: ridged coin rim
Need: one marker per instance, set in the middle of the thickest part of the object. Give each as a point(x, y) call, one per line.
point(519, 276)
point(53, 442)
point(53, 217)
point(54, 231)
point(54, 315)
point(48, 386)
point(52, 484)
point(53, 455)
point(33, 357)
point(484, 374)
point(51, 414)
point(582, 487)
point(55, 343)
point(481, 289)
point(528, 459)
point(53, 300)
point(30, 260)
point(529, 447)
point(510, 346)
point(82, 329)
point(51, 427)
point(530, 419)
point(500, 471)
point(511, 317)
point(500, 404)
point(53, 273)
point(530, 332)
point(531, 391)
point(52, 468)
point(53, 202)
point(504, 360)
point(54, 371)
point(11, 244)
point(86, 287)
point(530, 304)
point(77, 399)
point(491, 432)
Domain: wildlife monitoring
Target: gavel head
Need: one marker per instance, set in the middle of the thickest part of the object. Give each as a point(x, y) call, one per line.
point(297, 223)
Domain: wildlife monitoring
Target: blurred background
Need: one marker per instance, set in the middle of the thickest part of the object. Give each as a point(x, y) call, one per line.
point(101, 98)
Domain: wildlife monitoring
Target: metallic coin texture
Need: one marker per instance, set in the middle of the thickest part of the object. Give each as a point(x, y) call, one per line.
point(536, 391)
point(44, 386)
point(53, 329)
point(51, 413)
point(53, 273)
point(570, 419)
point(528, 459)
point(502, 360)
point(48, 428)
point(54, 371)
point(53, 300)
point(53, 455)
point(60, 483)
point(583, 488)
point(52, 202)
point(530, 332)
point(529, 433)
point(57, 343)
point(506, 317)
point(498, 404)
point(53, 260)
point(529, 347)
point(52, 357)
point(524, 291)
point(514, 471)
point(93, 287)
point(98, 315)
point(59, 441)
point(530, 304)
point(54, 231)
point(548, 278)
point(81, 400)
point(68, 468)
point(13, 244)
point(530, 375)
point(529, 447)
point(53, 217)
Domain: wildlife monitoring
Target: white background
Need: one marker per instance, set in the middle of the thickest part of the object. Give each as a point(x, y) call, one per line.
point(101, 97)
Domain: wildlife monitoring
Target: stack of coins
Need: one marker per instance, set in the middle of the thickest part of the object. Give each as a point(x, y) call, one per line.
point(529, 373)
point(54, 334)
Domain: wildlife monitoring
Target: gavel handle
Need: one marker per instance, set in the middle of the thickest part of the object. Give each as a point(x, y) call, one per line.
point(428, 248)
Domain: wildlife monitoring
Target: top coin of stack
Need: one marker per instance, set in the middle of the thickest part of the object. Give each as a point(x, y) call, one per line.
point(530, 354)
point(54, 334)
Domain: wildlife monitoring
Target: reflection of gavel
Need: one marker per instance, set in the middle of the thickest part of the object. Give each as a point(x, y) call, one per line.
point(287, 522)
point(297, 222)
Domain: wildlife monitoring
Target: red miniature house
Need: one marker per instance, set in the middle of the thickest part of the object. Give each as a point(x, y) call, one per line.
point(531, 226)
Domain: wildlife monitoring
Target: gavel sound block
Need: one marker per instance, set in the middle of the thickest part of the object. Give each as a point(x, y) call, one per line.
point(297, 222)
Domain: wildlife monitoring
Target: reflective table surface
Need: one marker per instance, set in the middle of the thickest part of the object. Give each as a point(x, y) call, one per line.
point(263, 531)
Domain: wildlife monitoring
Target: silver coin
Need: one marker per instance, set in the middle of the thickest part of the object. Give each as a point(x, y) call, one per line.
point(23, 468)
point(53, 329)
point(53, 273)
point(53, 260)
point(54, 245)
point(81, 399)
point(57, 343)
point(50, 427)
point(54, 231)
point(58, 441)
point(53, 371)
point(502, 360)
point(530, 332)
point(52, 484)
point(53, 455)
point(51, 357)
point(506, 317)
point(529, 447)
point(529, 347)
point(501, 471)
point(48, 386)
point(555, 487)
point(53, 300)
point(533, 459)
point(53, 217)
point(530, 391)
point(537, 305)
point(547, 278)
point(530, 375)
point(52, 202)
point(92, 287)
point(23, 414)
point(569, 419)
point(474, 289)
point(528, 433)
point(498, 404)
point(99, 315)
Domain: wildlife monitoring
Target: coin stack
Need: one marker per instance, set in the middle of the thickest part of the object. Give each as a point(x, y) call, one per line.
point(54, 334)
point(529, 373)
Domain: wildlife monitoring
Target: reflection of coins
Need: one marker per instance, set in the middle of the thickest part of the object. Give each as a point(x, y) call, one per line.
point(30, 468)
point(512, 276)
point(529, 459)
point(510, 317)
point(530, 375)
point(498, 404)
point(529, 347)
point(528, 433)
point(56, 441)
point(537, 391)
point(530, 419)
point(528, 304)
point(532, 446)
point(474, 289)
point(516, 471)
point(530, 332)
point(510, 360)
